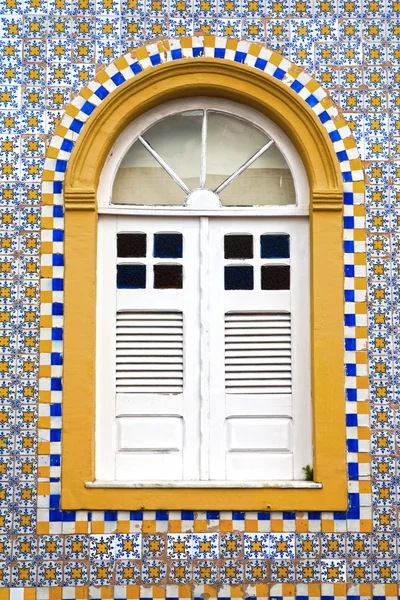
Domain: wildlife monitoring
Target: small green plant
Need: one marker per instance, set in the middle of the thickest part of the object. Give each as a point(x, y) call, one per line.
point(308, 473)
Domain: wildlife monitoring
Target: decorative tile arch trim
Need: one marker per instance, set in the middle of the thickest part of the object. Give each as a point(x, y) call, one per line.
point(69, 134)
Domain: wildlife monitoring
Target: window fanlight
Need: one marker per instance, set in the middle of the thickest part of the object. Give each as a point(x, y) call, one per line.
point(226, 157)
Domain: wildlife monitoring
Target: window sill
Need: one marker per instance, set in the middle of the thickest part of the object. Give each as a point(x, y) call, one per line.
point(295, 484)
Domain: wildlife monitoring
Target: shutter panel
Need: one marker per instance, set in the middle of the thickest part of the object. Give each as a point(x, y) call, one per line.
point(149, 314)
point(259, 347)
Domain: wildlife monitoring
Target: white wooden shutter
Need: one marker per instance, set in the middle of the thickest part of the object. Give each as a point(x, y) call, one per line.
point(148, 344)
point(203, 382)
point(259, 358)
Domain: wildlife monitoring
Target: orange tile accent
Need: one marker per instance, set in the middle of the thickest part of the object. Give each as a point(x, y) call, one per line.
point(44, 422)
point(363, 457)
point(366, 525)
point(365, 487)
point(359, 236)
point(211, 590)
point(43, 471)
point(132, 592)
point(277, 525)
point(363, 433)
point(328, 526)
point(340, 589)
point(288, 589)
point(226, 525)
point(360, 259)
point(276, 59)
point(363, 408)
point(149, 527)
point(44, 448)
point(42, 528)
point(314, 590)
point(236, 591)
point(262, 590)
point(232, 43)
point(200, 525)
point(45, 396)
point(175, 526)
point(359, 210)
point(186, 42)
point(83, 527)
point(123, 527)
point(361, 308)
point(365, 589)
point(390, 589)
point(302, 525)
point(43, 488)
point(251, 526)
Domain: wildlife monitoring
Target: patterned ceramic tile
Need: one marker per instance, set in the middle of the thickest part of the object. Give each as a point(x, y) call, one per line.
point(50, 51)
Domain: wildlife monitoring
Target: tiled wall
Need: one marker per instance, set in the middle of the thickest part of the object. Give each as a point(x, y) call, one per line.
point(48, 52)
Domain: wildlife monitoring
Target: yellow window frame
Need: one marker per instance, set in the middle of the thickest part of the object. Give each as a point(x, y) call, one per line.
point(152, 87)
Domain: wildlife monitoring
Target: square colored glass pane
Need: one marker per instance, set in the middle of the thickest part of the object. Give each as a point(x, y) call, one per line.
point(131, 245)
point(239, 278)
point(168, 245)
point(275, 246)
point(131, 276)
point(238, 246)
point(275, 277)
point(168, 276)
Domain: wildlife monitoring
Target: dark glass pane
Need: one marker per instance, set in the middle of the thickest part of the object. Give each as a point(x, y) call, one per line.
point(168, 245)
point(239, 278)
point(131, 276)
point(275, 246)
point(238, 246)
point(131, 245)
point(168, 276)
point(275, 277)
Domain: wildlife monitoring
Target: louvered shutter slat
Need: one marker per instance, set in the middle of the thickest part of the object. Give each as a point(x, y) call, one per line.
point(258, 357)
point(157, 330)
point(257, 369)
point(144, 344)
point(261, 360)
point(134, 366)
point(150, 355)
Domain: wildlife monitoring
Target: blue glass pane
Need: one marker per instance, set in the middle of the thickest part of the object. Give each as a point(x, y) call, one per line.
point(168, 245)
point(275, 246)
point(239, 278)
point(131, 276)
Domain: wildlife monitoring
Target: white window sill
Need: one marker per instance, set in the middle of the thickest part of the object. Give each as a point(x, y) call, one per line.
point(294, 484)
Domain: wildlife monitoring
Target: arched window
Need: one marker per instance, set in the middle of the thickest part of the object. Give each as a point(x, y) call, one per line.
point(203, 203)
point(203, 322)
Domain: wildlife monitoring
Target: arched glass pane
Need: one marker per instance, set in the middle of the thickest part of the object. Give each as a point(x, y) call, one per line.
point(230, 143)
point(177, 139)
point(268, 181)
point(140, 179)
point(210, 149)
